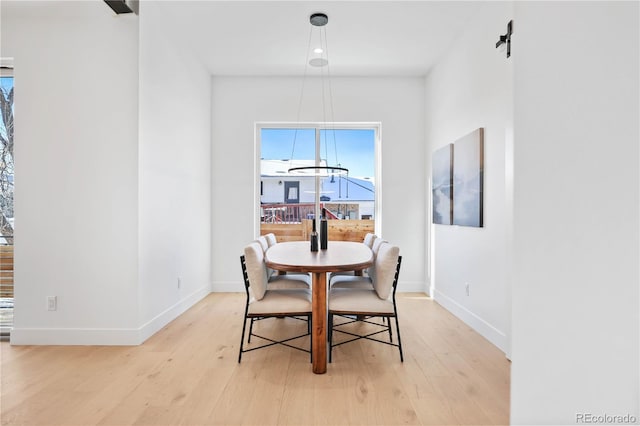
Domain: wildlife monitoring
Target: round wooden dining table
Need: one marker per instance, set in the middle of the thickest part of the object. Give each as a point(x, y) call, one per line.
point(296, 256)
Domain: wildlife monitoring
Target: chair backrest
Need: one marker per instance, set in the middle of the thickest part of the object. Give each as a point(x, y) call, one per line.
point(271, 239)
point(376, 245)
point(368, 239)
point(263, 242)
point(256, 270)
point(245, 276)
point(377, 242)
point(386, 267)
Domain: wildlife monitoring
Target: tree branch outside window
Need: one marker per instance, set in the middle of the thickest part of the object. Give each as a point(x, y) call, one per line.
point(6, 159)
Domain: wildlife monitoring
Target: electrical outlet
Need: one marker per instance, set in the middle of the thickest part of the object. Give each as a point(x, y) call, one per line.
point(466, 288)
point(179, 282)
point(52, 303)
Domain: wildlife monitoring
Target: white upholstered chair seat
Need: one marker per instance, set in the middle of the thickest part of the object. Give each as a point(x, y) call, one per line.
point(289, 281)
point(363, 301)
point(351, 281)
point(290, 302)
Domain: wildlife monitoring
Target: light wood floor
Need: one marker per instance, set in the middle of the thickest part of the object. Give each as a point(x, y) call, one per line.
point(188, 374)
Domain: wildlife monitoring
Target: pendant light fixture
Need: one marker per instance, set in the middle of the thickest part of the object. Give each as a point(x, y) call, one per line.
point(318, 23)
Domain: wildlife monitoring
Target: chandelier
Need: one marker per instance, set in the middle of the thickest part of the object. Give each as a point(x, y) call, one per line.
point(318, 23)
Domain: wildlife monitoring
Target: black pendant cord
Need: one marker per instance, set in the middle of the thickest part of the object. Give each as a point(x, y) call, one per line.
point(335, 144)
point(304, 79)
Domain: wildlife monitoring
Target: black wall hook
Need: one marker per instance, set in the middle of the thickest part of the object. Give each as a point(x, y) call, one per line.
point(506, 38)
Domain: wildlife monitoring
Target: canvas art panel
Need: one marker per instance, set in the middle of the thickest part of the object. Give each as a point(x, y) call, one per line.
point(468, 174)
point(441, 185)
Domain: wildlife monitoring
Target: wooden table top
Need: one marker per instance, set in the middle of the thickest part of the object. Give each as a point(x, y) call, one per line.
point(296, 256)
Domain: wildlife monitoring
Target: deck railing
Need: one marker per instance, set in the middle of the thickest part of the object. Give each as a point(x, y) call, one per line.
point(6, 290)
point(290, 213)
point(6, 270)
point(339, 230)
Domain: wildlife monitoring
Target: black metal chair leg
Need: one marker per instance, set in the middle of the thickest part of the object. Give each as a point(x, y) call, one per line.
point(244, 326)
point(330, 336)
point(250, 331)
point(310, 339)
point(399, 341)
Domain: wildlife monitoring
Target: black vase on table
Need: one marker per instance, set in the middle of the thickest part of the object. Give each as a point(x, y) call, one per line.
point(324, 237)
point(314, 236)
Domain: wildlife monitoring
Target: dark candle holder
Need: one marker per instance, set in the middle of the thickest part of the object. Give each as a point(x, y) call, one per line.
point(314, 236)
point(324, 237)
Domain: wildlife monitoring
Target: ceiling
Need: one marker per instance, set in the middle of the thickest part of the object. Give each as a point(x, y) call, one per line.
point(238, 37)
point(365, 38)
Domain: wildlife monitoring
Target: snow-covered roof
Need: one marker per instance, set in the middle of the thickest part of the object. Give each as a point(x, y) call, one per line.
point(280, 167)
point(346, 189)
point(343, 188)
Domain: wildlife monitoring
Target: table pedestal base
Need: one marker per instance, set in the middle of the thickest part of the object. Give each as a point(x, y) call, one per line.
point(319, 322)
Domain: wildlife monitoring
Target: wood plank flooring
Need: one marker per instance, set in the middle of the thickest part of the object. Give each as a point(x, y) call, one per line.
point(188, 374)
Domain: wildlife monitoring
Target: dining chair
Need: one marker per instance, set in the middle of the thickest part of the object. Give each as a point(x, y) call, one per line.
point(271, 239)
point(368, 240)
point(367, 304)
point(279, 280)
point(290, 280)
point(264, 244)
point(263, 303)
point(350, 280)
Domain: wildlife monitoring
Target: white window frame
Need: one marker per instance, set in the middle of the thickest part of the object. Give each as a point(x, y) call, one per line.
point(375, 126)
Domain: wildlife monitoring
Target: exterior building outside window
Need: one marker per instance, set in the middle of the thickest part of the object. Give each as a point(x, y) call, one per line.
point(289, 198)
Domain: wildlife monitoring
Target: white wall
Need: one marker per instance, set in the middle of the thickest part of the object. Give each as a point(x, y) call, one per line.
point(471, 87)
point(76, 115)
point(112, 172)
point(575, 291)
point(174, 174)
point(239, 102)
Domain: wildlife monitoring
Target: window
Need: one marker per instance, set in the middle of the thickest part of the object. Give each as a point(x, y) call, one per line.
point(287, 200)
point(6, 153)
point(6, 201)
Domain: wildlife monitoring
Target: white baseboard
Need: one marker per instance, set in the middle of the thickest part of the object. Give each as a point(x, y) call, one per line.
point(155, 324)
point(488, 331)
point(106, 336)
point(75, 336)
